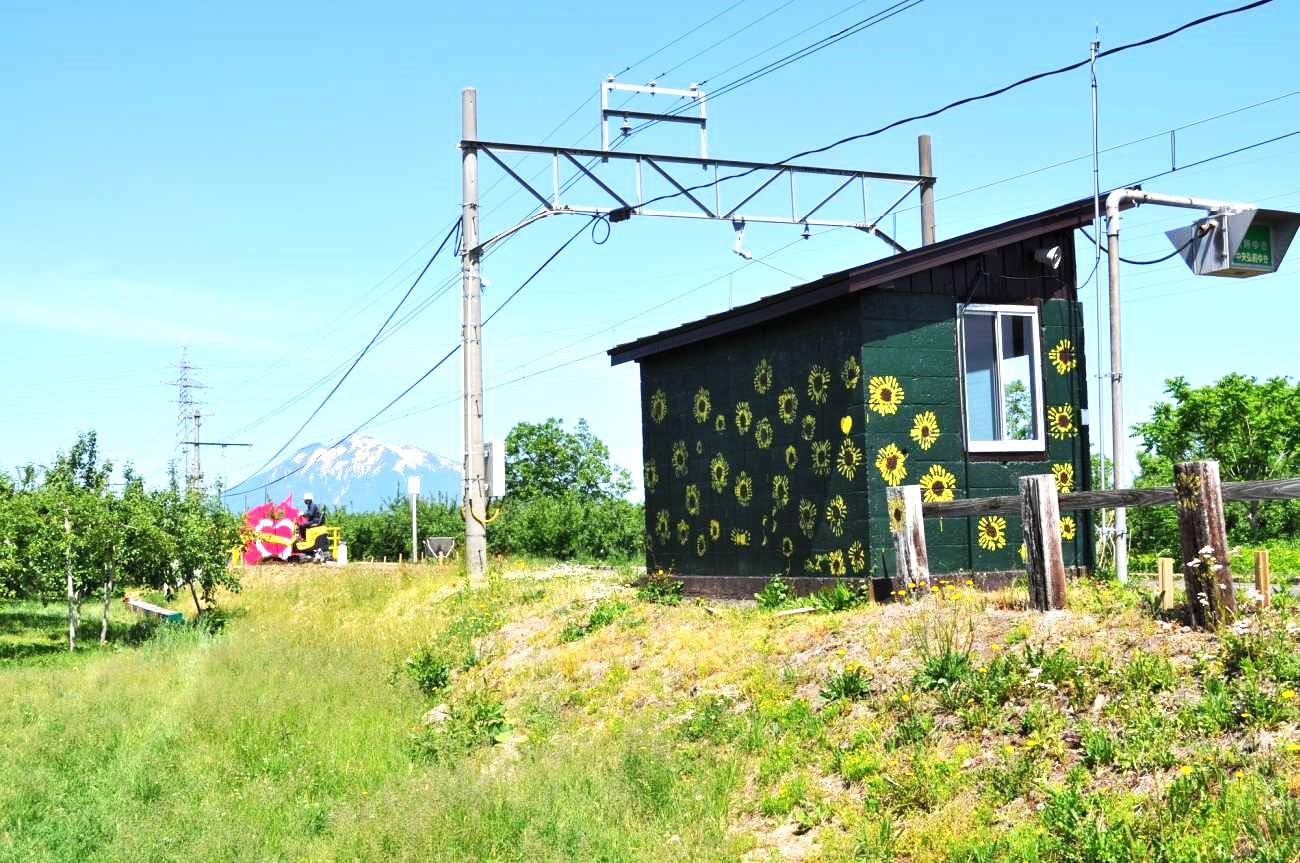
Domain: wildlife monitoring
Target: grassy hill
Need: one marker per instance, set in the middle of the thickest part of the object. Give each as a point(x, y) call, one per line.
point(385, 714)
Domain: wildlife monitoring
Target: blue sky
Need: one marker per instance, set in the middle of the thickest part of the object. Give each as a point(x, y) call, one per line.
point(261, 182)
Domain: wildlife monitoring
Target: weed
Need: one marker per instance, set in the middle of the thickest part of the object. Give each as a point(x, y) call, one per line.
point(851, 683)
point(606, 612)
point(841, 597)
point(944, 637)
point(475, 720)
point(661, 589)
point(1098, 747)
point(710, 718)
point(1147, 672)
point(1013, 775)
point(428, 669)
point(775, 594)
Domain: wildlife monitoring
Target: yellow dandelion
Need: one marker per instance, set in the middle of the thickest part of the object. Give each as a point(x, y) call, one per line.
point(1063, 357)
point(904, 698)
point(1064, 474)
point(938, 485)
point(892, 464)
point(884, 394)
point(925, 429)
point(1288, 694)
point(1068, 527)
point(1060, 421)
point(995, 647)
point(1186, 770)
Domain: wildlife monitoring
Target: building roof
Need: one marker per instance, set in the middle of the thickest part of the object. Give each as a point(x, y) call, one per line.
point(835, 285)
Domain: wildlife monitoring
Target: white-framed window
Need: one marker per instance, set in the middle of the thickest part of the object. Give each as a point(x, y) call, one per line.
point(1001, 379)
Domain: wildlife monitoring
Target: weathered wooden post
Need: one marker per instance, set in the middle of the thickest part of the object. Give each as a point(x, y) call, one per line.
point(907, 527)
point(1165, 582)
point(1263, 575)
point(1041, 517)
point(1211, 600)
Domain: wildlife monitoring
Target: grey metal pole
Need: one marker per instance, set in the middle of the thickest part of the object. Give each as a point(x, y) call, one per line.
point(1116, 395)
point(927, 190)
point(196, 479)
point(472, 347)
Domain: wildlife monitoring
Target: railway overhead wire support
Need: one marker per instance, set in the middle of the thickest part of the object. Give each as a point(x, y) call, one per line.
point(620, 199)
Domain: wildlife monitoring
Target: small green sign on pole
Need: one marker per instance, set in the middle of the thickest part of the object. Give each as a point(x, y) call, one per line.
point(1256, 249)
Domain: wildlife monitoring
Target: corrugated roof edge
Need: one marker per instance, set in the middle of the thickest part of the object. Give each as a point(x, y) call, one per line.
point(859, 278)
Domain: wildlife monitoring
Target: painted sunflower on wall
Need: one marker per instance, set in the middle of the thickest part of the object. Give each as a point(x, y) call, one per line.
point(897, 515)
point(1064, 474)
point(1063, 357)
point(679, 458)
point(763, 433)
point(1060, 421)
point(884, 394)
point(658, 406)
point(819, 381)
point(787, 546)
point(715, 529)
point(780, 490)
point(651, 475)
point(1068, 527)
point(807, 516)
point(857, 557)
point(849, 459)
point(662, 529)
point(835, 563)
point(762, 377)
point(744, 489)
point(720, 423)
point(1187, 488)
point(925, 429)
point(744, 417)
point(703, 408)
point(739, 538)
point(892, 464)
point(791, 457)
point(787, 405)
point(821, 457)
point(851, 373)
point(718, 473)
point(692, 499)
point(701, 545)
point(938, 485)
point(808, 428)
point(683, 532)
point(992, 531)
point(836, 513)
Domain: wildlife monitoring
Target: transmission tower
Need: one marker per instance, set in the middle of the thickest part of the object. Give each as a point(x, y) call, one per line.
point(189, 420)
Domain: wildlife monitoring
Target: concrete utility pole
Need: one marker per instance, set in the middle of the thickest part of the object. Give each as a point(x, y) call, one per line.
point(413, 490)
point(471, 341)
point(196, 472)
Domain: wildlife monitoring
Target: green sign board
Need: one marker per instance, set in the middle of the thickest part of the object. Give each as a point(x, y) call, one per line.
point(1256, 249)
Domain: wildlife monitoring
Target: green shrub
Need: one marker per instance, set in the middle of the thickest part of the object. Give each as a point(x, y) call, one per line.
point(475, 720)
point(775, 594)
point(570, 526)
point(428, 669)
point(851, 683)
point(841, 597)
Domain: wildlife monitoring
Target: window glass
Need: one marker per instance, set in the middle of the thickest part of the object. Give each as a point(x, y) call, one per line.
point(1000, 385)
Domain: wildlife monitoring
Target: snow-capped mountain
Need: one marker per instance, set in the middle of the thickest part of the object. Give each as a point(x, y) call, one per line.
point(361, 474)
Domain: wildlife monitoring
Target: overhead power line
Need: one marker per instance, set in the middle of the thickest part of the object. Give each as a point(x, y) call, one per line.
point(969, 99)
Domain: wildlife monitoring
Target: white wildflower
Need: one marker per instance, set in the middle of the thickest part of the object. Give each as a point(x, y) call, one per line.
point(1209, 549)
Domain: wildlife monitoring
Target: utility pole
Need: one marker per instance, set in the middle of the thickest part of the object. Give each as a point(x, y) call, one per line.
point(926, 169)
point(196, 466)
point(413, 491)
point(471, 342)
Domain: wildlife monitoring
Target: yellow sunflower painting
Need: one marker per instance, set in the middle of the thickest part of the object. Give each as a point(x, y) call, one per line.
point(1068, 527)
point(1063, 357)
point(819, 381)
point(884, 394)
point(780, 491)
point(763, 433)
point(925, 429)
point(662, 530)
point(835, 563)
point(787, 405)
point(791, 457)
point(787, 546)
point(836, 512)
point(679, 458)
point(897, 515)
point(720, 423)
point(1064, 474)
point(718, 472)
point(703, 407)
point(892, 464)
point(851, 372)
point(807, 517)
point(857, 557)
point(683, 532)
point(821, 457)
point(992, 532)
point(1187, 486)
point(744, 489)
point(692, 499)
point(808, 428)
point(938, 485)
point(658, 406)
point(849, 459)
point(739, 537)
point(1060, 421)
point(715, 529)
point(744, 417)
point(762, 377)
point(701, 545)
point(651, 475)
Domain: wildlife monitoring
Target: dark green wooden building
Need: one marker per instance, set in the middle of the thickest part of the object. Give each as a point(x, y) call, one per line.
point(772, 430)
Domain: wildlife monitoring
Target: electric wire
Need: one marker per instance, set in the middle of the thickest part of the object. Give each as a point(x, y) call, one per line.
point(1104, 248)
point(753, 23)
point(967, 100)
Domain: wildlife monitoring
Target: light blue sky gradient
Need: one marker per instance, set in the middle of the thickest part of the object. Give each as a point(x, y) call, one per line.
point(261, 182)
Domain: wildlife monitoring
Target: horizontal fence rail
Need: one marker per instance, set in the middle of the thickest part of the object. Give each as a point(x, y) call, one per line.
point(1257, 489)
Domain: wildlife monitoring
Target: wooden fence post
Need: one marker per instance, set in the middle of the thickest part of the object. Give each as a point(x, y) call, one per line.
point(1211, 600)
point(1263, 575)
point(1041, 519)
point(1165, 582)
point(907, 528)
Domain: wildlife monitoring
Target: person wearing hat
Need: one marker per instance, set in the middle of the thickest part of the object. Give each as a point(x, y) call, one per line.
point(311, 515)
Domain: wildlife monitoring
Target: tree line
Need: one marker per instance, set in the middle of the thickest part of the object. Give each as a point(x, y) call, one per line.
point(68, 533)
